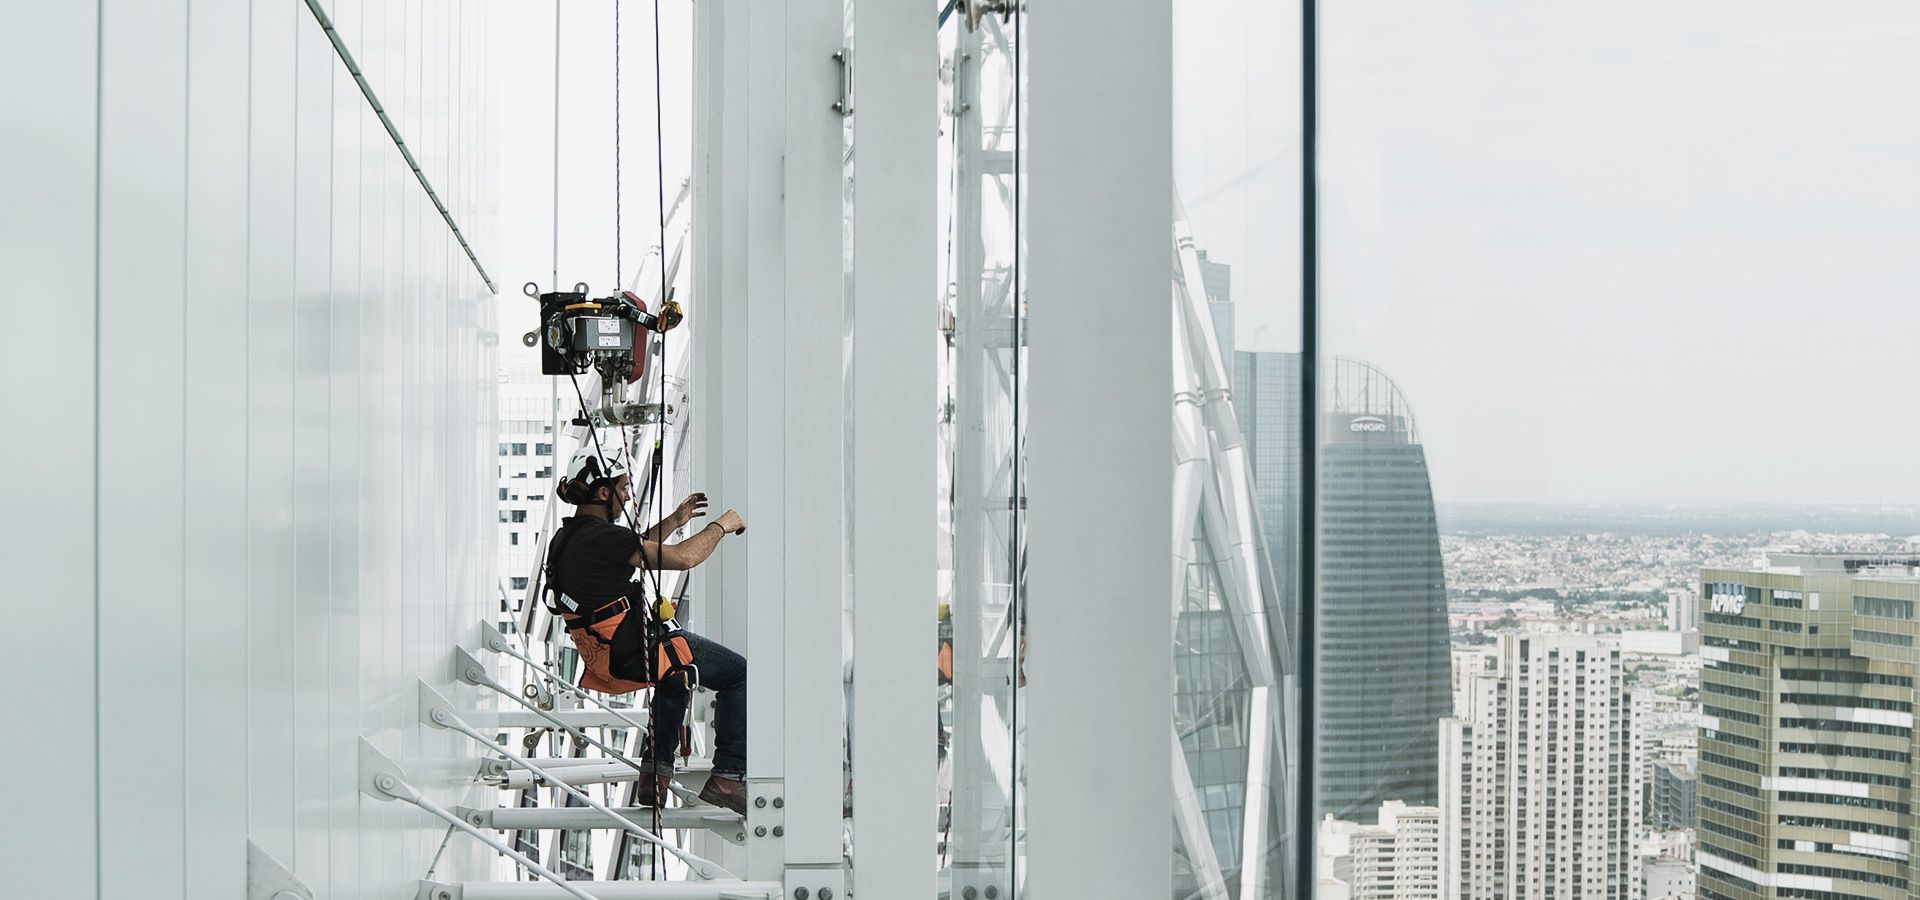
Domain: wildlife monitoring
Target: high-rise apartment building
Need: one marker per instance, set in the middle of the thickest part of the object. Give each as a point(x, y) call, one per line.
point(1382, 604)
point(1806, 729)
point(526, 473)
point(1666, 878)
point(1396, 858)
point(1540, 797)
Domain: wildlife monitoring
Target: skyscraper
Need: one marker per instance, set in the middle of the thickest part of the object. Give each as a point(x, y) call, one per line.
point(1541, 797)
point(1385, 670)
point(1806, 729)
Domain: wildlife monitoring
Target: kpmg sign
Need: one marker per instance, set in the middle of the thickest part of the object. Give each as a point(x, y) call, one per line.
point(1367, 424)
point(1728, 598)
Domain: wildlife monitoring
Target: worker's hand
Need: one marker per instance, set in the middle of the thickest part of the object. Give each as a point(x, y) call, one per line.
point(689, 509)
point(731, 523)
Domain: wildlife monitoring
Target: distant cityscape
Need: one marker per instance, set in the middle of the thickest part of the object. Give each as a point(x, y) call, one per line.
point(1762, 737)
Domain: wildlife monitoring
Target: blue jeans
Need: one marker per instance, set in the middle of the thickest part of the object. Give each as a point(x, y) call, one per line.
point(725, 673)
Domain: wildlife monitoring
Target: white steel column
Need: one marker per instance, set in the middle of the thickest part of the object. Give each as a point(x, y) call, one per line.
point(1100, 451)
point(717, 311)
point(759, 454)
point(812, 444)
point(895, 68)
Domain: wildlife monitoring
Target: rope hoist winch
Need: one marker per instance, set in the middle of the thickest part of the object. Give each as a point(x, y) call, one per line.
point(607, 335)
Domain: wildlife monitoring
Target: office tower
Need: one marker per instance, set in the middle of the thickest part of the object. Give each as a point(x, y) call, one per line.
point(1671, 796)
point(1218, 278)
point(1385, 670)
point(1683, 610)
point(1382, 607)
point(1806, 729)
point(1541, 797)
point(1266, 401)
point(1396, 858)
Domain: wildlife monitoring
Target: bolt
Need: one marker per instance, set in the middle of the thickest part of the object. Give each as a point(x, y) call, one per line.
point(779, 802)
point(799, 893)
point(778, 831)
point(968, 893)
point(385, 782)
point(760, 831)
point(992, 892)
point(826, 893)
point(445, 895)
point(760, 802)
point(440, 716)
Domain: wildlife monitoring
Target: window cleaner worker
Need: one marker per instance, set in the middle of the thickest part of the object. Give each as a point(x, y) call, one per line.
point(591, 562)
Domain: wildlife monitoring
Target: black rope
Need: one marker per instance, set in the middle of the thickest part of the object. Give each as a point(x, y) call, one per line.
point(660, 433)
point(619, 269)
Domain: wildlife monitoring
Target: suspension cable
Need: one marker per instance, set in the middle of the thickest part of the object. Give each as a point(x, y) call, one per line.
point(660, 432)
point(619, 271)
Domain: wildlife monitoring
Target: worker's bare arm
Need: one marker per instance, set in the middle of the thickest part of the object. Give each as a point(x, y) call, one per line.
point(690, 552)
point(689, 509)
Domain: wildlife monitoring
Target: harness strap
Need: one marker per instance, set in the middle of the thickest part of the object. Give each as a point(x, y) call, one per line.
point(600, 614)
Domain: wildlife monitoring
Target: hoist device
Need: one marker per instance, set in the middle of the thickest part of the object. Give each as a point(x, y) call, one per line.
point(608, 335)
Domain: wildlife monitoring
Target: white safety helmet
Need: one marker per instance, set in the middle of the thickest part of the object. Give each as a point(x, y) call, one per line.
point(587, 471)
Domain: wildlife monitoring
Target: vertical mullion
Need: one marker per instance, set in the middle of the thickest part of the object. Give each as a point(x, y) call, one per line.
point(812, 395)
point(893, 390)
point(1306, 799)
point(1099, 449)
point(49, 250)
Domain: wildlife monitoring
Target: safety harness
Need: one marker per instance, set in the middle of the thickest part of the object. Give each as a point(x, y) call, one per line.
point(597, 630)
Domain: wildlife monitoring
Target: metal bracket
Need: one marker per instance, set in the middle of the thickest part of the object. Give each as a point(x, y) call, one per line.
point(492, 638)
point(844, 105)
point(634, 413)
point(434, 890)
point(434, 708)
point(380, 777)
point(980, 9)
point(470, 670)
point(267, 879)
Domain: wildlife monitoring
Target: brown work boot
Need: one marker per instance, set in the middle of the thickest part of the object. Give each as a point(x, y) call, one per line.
point(654, 786)
point(725, 791)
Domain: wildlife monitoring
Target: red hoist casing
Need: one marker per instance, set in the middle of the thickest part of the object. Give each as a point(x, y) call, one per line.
point(642, 341)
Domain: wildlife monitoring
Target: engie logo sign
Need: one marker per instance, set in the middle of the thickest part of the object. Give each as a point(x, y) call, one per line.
point(1367, 424)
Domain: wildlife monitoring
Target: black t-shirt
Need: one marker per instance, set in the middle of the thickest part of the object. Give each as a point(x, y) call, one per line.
point(595, 563)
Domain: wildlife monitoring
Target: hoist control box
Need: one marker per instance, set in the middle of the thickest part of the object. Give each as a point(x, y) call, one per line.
point(578, 333)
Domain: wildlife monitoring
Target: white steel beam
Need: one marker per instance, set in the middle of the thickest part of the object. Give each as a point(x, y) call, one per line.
point(893, 388)
point(1099, 450)
point(616, 890)
point(811, 528)
point(757, 439)
point(719, 303)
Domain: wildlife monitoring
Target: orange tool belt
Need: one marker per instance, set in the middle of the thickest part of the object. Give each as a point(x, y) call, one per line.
point(600, 638)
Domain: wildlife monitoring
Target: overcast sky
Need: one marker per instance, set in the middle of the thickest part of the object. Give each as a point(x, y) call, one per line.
point(1610, 250)
point(1622, 250)
point(586, 187)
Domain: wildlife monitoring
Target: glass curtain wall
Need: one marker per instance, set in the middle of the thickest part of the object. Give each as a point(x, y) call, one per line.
point(983, 499)
point(1236, 272)
point(1611, 294)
